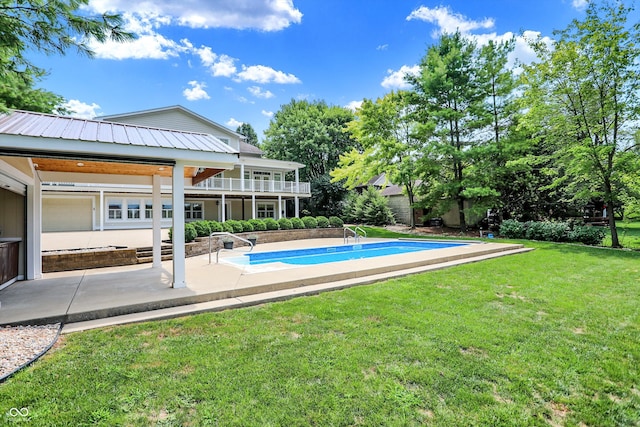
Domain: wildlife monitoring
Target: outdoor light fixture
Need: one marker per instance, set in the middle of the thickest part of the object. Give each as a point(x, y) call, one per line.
point(80, 164)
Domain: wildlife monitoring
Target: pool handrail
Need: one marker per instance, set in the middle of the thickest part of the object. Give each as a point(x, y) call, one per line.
point(226, 233)
point(356, 236)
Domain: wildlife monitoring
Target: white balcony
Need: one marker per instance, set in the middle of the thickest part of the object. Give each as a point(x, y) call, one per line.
point(254, 186)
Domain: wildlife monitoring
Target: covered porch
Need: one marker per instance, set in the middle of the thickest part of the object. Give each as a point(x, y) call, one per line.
point(38, 147)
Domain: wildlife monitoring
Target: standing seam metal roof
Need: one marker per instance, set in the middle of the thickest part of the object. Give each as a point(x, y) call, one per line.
point(27, 123)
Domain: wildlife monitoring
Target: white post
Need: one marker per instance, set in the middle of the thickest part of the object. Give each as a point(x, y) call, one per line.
point(157, 222)
point(179, 267)
point(279, 206)
point(223, 211)
point(253, 206)
point(242, 176)
point(297, 206)
point(34, 231)
point(101, 208)
point(297, 181)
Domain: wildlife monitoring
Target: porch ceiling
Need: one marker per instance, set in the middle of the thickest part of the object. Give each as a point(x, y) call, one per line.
point(108, 168)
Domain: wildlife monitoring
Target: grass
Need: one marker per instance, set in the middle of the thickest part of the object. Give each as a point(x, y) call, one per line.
point(545, 338)
point(628, 234)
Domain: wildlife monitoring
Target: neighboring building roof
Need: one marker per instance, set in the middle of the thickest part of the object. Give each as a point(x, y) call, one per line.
point(170, 108)
point(25, 123)
point(392, 190)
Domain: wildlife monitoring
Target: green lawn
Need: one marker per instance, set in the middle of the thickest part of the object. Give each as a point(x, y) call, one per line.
point(628, 234)
point(546, 338)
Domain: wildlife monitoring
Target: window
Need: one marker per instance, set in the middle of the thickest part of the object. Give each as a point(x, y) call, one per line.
point(193, 210)
point(266, 210)
point(133, 210)
point(277, 181)
point(148, 210)
point(115, 209)
point(167, 210)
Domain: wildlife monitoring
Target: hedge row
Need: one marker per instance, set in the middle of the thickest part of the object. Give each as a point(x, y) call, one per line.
point(204, 228)
point(552, 231)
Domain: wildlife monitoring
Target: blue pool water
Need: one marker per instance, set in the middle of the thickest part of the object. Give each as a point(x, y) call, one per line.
point(327, 254)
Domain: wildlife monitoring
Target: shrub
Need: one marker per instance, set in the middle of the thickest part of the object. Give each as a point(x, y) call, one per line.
point(227, 227)
point(586, 234)
point(336, 222)
point(202, 228)
point(297, 223)
point(258, 224)
point(534, 230)
point(556, 231)
point(189, 233)
point(323, 221)
point(215, 226)
point(271, 224)
point(512, 229)
point(373, 208)
point(235, 225)
point(285, 224)
point(309, 222)
point(247, 227)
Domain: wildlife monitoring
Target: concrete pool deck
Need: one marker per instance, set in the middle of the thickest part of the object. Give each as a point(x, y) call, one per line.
point(115, 295)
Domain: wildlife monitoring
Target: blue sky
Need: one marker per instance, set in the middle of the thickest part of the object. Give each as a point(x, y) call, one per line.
point(237, 61)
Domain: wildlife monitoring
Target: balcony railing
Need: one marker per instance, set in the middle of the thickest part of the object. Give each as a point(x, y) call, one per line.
point(254, 185)
point(211, 184)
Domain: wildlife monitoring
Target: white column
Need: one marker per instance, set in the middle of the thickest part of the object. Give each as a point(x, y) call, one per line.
point(297, 206)
point(34, 231)
point(223, 210)
point(279, 206)
point(179, 267)
point(253, 206)
point(157, 222)
point(101, 207)
point(297, 181)
point(242, 176)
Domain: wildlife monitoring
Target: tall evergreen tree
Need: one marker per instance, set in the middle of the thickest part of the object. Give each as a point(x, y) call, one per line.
point(247, 130)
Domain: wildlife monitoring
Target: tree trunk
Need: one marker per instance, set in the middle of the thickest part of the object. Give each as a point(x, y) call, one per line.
point(463, 223)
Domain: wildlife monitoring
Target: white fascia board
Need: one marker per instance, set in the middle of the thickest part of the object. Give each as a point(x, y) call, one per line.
point(8, 170)
point(93, 178)
point(119, 151)
point(271, 163)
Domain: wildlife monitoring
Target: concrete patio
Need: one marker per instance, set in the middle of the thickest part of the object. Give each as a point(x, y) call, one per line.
point(105, 296)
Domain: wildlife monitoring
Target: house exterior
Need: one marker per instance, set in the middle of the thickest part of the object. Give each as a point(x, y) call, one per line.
point(38, 150)
point(256, 187)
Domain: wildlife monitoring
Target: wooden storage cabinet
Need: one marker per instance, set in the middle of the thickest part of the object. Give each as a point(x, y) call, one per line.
point(9, 258)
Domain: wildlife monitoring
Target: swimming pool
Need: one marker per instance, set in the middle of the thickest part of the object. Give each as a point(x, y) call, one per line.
point(327, 254)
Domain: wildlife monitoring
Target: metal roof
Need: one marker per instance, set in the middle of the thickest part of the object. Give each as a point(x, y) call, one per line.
point(26, 123)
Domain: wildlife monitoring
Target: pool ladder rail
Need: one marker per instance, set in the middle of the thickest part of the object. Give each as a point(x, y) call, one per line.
point(356, 236)
point(225, 233)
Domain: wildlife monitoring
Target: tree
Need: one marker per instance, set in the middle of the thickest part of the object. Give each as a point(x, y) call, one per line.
point(247, 130)
point(385, 130)
point(51, 27)
point(450, 97)
point(311, 133)
point(17, 91)
point(582, 98)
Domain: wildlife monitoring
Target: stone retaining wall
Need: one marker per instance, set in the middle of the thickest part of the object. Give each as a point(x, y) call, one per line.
point(201, 245)
point(81, 260)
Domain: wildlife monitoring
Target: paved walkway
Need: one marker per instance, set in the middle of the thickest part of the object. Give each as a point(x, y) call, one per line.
point(104, 296)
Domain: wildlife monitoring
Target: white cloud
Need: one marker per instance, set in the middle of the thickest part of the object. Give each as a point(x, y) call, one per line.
point(196, 92)
point(263, 74)
point(448, 21)
point(267, 113)
point(382, 47)
point(149, 44)
point(224, 66)
point(353, 105)
point(258, 93)
point(396, 79)
point(580, 4)
point(265, 15)
point(233, 123)
point(81, 110)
